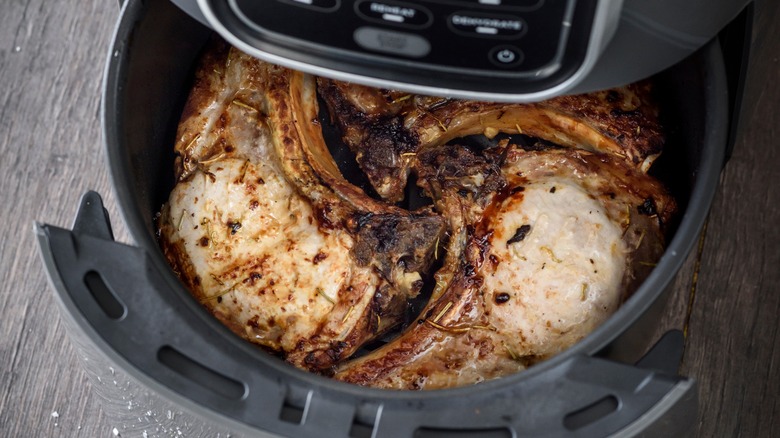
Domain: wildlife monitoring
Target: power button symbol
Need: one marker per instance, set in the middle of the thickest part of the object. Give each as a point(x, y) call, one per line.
point(506, 56)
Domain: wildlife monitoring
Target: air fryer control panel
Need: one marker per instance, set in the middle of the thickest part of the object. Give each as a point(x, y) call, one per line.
point(520, 45)
point(523, 36)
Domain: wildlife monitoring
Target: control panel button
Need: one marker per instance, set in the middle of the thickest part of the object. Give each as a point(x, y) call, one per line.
point(394, 13)
point(321, 5)
point(487, 25)
point(506, 56)
point(388, 41)
point(516, 3)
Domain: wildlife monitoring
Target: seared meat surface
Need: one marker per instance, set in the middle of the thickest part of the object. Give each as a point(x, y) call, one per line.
point(537, 238)
point(534, 266)
point(386, 128)
point(271, 250)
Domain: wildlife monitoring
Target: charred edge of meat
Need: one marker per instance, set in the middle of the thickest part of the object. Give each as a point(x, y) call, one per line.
point(379, 152)
point(329, 352)
point(338, 104)
point(342, 154)
point(324, 215)
point(455, 167)
point(378, 367)
point(214, 53)
point(324, 360)
point(172, 251)
point(478, 143)
point(385, 328)
point(379, 144)
point(395, 242)
point(664, 214)
point(628, 115)
point(357, 221)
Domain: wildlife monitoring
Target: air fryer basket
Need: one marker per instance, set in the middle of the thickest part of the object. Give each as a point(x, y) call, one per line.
point(126, 304)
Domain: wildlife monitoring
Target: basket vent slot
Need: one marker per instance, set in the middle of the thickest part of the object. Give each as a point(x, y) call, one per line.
point(295, 405)
point(203, 376)
point(591, 413)
point(426, 432)
point(361, 430)
point(291, 414)
point(104, 296)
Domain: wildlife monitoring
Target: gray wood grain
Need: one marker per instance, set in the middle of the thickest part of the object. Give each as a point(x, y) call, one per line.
point(51, 62)
point(734, 338)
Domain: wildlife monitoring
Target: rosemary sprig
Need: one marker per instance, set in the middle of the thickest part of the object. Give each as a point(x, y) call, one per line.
point(402, 98)
point(321, 293)
point(512, 353)
point(550, 252)
point(447, 329)
point(457, 329)
point(244, 105)
point(243, 171)
point(181, 219)
point(443, 311)
point(223, 292)
point(192, 142)
point(213, 159)
point(641, 238)
point(346, 316)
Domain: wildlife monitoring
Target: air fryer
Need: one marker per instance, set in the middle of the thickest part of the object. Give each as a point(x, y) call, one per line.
point(126, 309)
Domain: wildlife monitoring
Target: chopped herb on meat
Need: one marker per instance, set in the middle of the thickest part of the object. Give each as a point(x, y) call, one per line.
point(520, 234)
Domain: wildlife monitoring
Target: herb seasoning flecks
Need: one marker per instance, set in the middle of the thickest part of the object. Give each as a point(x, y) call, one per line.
point(501, 297)
point(520, 234)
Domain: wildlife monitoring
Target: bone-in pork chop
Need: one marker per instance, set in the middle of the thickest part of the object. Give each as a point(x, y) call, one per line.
point(539, 237)
point(282, 252)
point(387, 128)
point(546, 243)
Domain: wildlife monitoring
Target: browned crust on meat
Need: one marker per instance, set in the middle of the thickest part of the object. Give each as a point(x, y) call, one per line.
point(455, 316)
point(285, 102)
point(375, 132)
point(384, 129)
point(176, 255)
point(614, 134)
point(209, 77)
point(307, 161)
point(627, 115)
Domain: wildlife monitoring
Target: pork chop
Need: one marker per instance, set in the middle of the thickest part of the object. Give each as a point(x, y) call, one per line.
point(265, 232)
point(386, 128)
point(548, 244)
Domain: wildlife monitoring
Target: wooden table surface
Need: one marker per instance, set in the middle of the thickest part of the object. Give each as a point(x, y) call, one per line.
point(52, 56)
